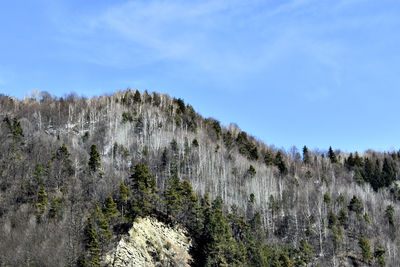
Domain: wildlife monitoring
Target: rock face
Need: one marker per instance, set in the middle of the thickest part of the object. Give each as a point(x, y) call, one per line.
point(151, 243)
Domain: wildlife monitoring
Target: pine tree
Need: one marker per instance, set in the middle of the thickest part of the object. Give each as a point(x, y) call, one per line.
point(173, 195)
point(365, 248)
point(268, 158)
point(390, 215)
point(144, 191)
point(280, 163)
point(137, 98)
point(92, 243)
point(110, 208)
point(41, 203)
point(356, 205)
point(332, 156)
point(124, 194)
point(94, 160)
point(306, 156)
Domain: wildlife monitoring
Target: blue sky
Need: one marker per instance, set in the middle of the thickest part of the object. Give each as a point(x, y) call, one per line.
point(294, 72)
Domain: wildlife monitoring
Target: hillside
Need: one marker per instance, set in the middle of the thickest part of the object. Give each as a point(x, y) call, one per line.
point(76, 173)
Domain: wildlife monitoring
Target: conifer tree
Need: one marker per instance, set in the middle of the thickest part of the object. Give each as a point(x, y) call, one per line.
point(110, 208)
point(280, 163)
point(268, 158)
point(173, 195)
point(136, 97)
point(365, 248)
point(92, 243)
point(144, 191)
point(124, 194)
point(94, 160)
point(306, 156)
point(390, 215)
point(41, 203)
point(331, 155)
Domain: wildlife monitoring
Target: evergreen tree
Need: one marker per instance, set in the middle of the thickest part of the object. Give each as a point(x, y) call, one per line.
point(55, 208)
point(251, 171)
point(365, 248)
point(92, 243)
point(390, 215)
point(144, 191)
point(137, 98)
point(388, 173)
point(124, 194)
point(173, 195)
point(41, 203)
point(306, 156)
point(332, 156)
point(355, 205)
point(110, 208)
point(280, 163)
point(268, 158)
point(306, 252)
point(379, 254)
point(94, 160)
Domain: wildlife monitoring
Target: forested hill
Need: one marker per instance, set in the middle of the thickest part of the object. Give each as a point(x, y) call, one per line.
point(75, 174)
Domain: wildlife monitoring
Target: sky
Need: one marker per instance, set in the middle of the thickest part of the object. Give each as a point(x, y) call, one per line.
point(296, 72)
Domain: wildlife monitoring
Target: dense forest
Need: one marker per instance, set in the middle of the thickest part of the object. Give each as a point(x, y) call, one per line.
point(76, 172)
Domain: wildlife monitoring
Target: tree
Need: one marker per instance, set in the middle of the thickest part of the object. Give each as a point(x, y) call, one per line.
point(306, 156)
point(355, 205)
point(390, 215)
point(137, 98)
point(124, 194)
point(110, 208)
point(41, 203)
point(306, 252)
point(379, 255)
point(268, 158)
point(365, 248)
point(92, 243)
point(251, 171)
point(331, 155)
point(94, 160)
point(280, 163)
point(173, 195)
point(144, 191)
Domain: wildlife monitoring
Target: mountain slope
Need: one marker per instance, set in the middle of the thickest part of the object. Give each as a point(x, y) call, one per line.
point(328, 201)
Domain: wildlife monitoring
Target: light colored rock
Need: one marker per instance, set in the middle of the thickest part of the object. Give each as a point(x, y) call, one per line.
point(151, 243)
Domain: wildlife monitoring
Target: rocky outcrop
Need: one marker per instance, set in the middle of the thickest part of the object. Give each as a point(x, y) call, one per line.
point(151, 243)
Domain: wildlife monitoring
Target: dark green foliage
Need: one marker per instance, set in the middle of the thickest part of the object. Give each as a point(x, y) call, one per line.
point(110, 208)
point(181, 106)
point(92, 243)
point(280, 163)
point(246, 147)
point(14, 127)
point(123, 197)
point(268, 158)
point(365, 248)
point(306, 156)
point(173, 195)
point(332, 155)
point(143, 188)
point(94, 160)
point(251, 171)
point(366, 218)
point(195, 143)
point(137, 98)
point(355, 205)
point(390, 215)
point(343, 218)
point(55, 211)
point(306, 252)
point(217, 128)
point(388, 172)
point(327, 199)
point(379, 255)
point(41, 204)
point(127, 117)
point(228, 140)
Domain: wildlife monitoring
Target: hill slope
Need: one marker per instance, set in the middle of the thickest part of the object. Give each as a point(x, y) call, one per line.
point(62, 158)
